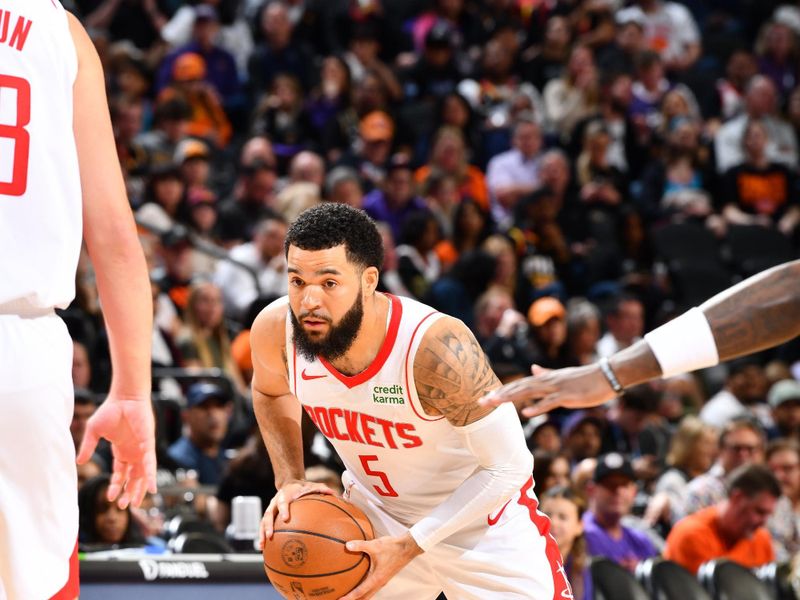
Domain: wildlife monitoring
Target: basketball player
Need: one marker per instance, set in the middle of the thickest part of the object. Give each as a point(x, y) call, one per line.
point(394, 386)
point(758, 313)
point(59, 175)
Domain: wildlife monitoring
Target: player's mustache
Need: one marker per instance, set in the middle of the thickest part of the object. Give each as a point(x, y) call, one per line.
point(313, 315)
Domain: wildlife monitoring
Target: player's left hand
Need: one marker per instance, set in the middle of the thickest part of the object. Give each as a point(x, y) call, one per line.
point(388, 555)
point(573, 387)
point(129, 425)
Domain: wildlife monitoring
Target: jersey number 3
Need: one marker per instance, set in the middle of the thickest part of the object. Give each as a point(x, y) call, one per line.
point(15, 140)
point(387, 489)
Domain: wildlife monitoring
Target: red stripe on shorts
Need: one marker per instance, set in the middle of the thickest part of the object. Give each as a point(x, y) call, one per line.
point(561, 587)
point(72, 588)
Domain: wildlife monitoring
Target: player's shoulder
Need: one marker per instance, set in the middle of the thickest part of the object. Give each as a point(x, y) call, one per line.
point(447, 330)
point(270, 324)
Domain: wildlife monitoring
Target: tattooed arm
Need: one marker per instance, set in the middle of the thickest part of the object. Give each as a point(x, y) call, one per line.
point(452, 372)
point(758, 313)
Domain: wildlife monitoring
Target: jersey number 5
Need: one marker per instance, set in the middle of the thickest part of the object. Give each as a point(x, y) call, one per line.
point(15, 140)
point(387, 489)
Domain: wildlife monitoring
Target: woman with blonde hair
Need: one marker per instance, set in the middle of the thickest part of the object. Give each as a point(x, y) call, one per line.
point(205, 342)
point(692, 452)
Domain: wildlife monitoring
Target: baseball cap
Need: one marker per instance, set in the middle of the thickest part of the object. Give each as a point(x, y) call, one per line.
point(632, 14)
point(205, 12)
point(440, 35)
point(613, 463)
point(189, 67)
point(544, 309)
point(784, 390)
point(190, 148)
point(202, 391)
point(376, 126)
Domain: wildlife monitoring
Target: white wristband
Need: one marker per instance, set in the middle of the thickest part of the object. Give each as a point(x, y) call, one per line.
point(684, 344)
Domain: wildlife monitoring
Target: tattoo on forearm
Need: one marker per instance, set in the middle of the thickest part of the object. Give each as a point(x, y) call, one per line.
point(758, 316)
point(452, 373)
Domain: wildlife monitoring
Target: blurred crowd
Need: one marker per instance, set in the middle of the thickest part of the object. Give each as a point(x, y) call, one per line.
point(562, 175)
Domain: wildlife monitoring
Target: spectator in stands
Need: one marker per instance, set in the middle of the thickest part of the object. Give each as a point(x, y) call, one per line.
point(395, 200)
point(550, 470)
point(574, 95)
point(456, 292)
point(221, 72)
point(624, 324)
point(85, 406)
point(760, 191)
point(205, 343)
point(264, 270)
point(783, 459)
point(81, 366)
point(376, 133)
point(777, 52)
point(278, 52)
point(514, 174)
point(729, 98)
point(139, 22)
point(436, 71)
point(692, 451)
point(468, 227)
point(548, 333)
point(208, 119)
point(742, 441)
point(343, 185)
point(389, 279)
point(629, 42)
point(744, 394)
point(761, 103)
point(566, 509)
point(671, 31)
point(164, 202)
point(194, 159)
point(252, 200)
point(103, 523)
point(450, 155)
point(582, 433)
point(418, 264)
point(611, 493)
point(170, 122)
point(547, 61)
point(583, 331)
point(206, 416)
point(733, 528)
point(281, 117)
point(784, 400)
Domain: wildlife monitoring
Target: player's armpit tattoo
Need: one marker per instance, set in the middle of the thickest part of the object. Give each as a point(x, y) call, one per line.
point(452, 373)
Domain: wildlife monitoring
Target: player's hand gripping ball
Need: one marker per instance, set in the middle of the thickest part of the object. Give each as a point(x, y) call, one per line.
point(306, 557)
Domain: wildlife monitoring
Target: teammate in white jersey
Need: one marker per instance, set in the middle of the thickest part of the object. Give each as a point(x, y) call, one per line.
point(394, 386)
point(59, 178)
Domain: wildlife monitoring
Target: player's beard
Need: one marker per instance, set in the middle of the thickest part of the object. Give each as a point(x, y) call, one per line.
point(338, 339)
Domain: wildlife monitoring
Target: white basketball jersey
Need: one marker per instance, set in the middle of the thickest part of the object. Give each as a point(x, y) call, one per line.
point(40, 190)
point(407, 462)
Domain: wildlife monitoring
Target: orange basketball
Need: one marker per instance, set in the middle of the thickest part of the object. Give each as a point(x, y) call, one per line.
point(306, 557)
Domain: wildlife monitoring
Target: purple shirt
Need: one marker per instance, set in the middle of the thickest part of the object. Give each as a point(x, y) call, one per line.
point(376, 206)
point(633, 544)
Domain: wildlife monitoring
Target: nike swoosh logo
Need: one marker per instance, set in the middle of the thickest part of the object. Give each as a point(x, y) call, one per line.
point(491, 521)
point(310, 377)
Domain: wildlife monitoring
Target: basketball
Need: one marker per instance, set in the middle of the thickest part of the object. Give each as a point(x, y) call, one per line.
point(306, 557)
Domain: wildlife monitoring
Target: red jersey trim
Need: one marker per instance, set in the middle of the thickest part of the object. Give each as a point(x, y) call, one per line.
point(72, 588)
point(383, 354)
point(422, 416)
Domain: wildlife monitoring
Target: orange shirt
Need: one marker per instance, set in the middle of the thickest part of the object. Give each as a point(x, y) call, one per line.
point(695, 540)
point(473, 184)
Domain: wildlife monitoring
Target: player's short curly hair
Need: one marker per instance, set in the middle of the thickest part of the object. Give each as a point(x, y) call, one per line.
point(331, 224)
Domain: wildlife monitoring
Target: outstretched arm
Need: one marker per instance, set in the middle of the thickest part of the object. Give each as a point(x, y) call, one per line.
point(451, 373)
point(760, 312)
point(126, 417)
